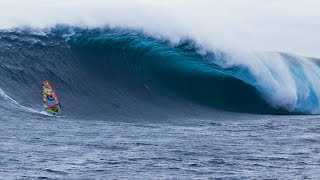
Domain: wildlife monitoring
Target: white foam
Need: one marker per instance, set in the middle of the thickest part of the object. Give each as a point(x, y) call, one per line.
point(10, 101)
point(274, 78)
point(285, 25)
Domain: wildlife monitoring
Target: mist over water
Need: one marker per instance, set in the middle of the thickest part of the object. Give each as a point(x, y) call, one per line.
point(248, 24)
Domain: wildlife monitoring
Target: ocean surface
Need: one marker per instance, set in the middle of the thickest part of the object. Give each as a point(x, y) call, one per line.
point(139, 106)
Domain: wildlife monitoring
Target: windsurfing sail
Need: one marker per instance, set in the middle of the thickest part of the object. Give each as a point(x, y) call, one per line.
point(50, 98)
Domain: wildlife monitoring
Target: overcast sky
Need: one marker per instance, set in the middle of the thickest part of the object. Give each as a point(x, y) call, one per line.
point(267, 25)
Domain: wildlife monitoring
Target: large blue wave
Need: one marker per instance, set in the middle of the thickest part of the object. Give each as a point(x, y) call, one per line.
point(100, 63)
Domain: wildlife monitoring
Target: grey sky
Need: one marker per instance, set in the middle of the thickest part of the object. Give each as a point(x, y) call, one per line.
point(267, 25)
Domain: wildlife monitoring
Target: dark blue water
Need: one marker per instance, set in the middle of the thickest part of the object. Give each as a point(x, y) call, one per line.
point(139, 107)
point(237, 146)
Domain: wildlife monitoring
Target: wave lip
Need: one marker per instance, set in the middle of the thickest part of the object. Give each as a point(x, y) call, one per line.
point(285, 81)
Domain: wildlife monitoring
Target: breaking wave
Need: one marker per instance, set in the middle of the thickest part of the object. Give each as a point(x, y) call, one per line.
point(117, 71)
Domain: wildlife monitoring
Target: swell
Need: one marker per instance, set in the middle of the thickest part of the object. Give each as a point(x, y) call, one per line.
point(112, 72)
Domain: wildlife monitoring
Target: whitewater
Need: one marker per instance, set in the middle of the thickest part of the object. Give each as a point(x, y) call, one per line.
point(160, 90)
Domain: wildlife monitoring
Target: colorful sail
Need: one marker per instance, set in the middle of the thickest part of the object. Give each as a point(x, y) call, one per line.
point(50, 98)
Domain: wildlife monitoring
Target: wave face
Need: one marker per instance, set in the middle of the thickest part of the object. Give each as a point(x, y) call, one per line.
point(116, 71)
